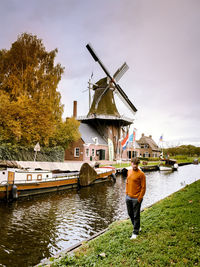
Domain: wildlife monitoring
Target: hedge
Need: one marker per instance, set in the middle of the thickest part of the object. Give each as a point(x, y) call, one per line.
point(19, 153)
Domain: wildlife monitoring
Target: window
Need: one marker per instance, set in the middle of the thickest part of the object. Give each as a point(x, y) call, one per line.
point(76, 152)
point(147, 154)
point(135, 153)
point(29, 177)
point(39, 177)
point(87, 152)
point(93, 152)
point(144, 146)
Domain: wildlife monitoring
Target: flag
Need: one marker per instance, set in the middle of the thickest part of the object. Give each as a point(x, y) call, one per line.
point(132, 136)
point(110, 149)
point(124, 142)
point(161, 138)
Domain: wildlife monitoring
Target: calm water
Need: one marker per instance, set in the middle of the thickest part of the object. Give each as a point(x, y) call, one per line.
point(39, 227)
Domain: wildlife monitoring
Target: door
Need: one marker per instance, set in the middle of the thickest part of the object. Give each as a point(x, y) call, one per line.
point(11, 177)
point(102, 154)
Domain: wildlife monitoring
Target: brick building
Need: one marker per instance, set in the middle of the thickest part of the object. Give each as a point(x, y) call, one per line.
point(90, 147)
point(148, 147)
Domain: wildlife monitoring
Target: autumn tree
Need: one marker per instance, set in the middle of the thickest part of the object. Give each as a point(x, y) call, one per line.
point(66, 132)
point(30, 105)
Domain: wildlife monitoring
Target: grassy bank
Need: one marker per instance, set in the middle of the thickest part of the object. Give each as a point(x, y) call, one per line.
point(152, 161)
point(170, 236)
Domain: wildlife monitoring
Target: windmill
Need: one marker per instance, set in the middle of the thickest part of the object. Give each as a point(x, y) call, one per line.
point(103, 113)
point(109, 84)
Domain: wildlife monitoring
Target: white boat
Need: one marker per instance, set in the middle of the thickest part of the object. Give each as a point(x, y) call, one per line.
point(168, 165)
point(165, 168)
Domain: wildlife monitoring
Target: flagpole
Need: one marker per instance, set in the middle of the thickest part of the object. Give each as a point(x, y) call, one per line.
point(161, 140)
point(133, 142)
point(131, 149)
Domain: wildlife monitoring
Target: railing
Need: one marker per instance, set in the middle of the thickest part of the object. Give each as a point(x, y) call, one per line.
point(99, 116)
point(3, 182)
point(48, 179)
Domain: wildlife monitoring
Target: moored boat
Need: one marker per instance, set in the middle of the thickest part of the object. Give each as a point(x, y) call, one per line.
point(168, 165)
point(148, 168)
point(19, 182)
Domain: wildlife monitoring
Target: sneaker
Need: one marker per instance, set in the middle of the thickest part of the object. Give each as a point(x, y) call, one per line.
point(134, 236)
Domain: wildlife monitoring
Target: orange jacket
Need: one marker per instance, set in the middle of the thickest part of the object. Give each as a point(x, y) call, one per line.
point(136, 184)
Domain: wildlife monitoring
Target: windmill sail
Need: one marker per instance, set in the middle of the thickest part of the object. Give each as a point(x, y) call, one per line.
point(120, 72)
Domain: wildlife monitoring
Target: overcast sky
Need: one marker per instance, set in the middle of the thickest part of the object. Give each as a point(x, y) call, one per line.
point(159, 40)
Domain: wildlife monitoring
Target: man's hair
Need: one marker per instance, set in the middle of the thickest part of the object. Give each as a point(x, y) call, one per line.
point(135, 161)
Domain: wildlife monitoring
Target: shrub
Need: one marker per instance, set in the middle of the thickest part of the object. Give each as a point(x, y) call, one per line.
point(19, 153)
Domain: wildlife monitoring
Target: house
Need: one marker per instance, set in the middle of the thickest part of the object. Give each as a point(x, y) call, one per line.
point(90, 147)
point(148, 147)
point(132, 150)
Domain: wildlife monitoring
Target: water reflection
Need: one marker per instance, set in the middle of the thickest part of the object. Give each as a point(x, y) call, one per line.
point(41, 226)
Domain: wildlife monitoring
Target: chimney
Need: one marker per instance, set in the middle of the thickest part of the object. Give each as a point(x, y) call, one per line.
point(150, 136)
point(142, 134)
point(75, 109)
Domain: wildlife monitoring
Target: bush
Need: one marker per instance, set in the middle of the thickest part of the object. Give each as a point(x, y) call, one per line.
point(143, 158)
point(181, 157)
point(154, 159)
point(19, 153)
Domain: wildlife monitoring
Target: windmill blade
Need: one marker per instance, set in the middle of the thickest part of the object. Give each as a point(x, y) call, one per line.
point(93, 54)
point(125, 98)
point(120, 72)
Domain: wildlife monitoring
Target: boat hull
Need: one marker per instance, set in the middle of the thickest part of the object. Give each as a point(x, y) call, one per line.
point(27, 189)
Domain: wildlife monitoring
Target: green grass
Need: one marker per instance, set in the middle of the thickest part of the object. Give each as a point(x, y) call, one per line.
point(182, 159)
point(122, 165)
point(170, 236)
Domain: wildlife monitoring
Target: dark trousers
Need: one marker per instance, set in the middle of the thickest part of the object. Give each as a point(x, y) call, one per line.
point(133, 208)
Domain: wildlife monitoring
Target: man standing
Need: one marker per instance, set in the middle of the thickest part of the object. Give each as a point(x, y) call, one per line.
point(135, 190)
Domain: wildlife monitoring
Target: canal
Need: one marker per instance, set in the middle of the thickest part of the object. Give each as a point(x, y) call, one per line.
point(41, 226)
